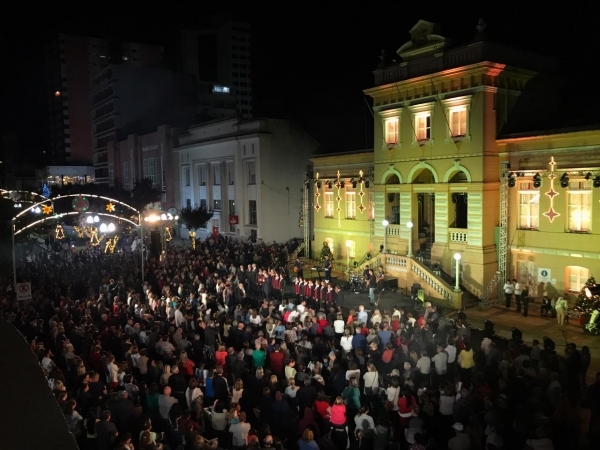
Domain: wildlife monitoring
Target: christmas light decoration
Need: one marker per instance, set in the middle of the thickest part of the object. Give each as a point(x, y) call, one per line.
point(168, 236)
point(111, 244)
point(361, 193)
point(317, 194)
point(59, 232)
point(94, 239)
point(110, 207)
point(78, 230)
point(80, 203)
point(339, 185)
point(551, 214)
point(193, 239)
point(45, 190)
point(47, 209)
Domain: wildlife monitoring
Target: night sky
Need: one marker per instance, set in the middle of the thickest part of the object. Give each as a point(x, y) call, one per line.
point(310, 62)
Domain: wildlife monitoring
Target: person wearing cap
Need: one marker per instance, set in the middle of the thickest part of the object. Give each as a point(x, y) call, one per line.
point(461, 440)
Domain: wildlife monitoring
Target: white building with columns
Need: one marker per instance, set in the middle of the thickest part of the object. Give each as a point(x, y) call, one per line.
point(249, 172)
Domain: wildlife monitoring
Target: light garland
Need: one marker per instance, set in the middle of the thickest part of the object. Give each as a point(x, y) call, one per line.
point(338, 185)
point(193, 239)
point(317, 194)
point(168, 236)
point(94, 239)
point(361, 193)
point(551, 214)
point(79, 231)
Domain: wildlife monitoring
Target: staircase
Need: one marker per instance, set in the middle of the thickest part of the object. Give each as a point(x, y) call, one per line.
point(425, 253)
point(487, 300)
point(296, 252)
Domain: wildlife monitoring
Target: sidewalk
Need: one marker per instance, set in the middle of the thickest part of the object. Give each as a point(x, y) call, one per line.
point(536, 327)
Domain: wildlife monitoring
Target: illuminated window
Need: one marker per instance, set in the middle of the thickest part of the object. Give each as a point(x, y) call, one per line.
point(576, 277)
point(350, 205)
point(391, 131)
point(529, 206)
point(423, 126)
point(328, 204)
point(579, 206)
point(457, 118)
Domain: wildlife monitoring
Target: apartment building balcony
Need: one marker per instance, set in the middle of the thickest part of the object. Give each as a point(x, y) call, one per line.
point(458, 235)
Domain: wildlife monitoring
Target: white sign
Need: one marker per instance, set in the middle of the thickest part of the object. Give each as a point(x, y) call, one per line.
point(23, 291)
point(544, 275)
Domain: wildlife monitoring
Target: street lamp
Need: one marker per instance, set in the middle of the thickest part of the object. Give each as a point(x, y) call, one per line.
point(409, 225)
point(385, 224)
point(457, 259)
point(348, 245)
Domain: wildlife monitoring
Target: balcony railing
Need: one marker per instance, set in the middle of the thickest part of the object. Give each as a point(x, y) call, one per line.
point(394, 230)
point(458, 235)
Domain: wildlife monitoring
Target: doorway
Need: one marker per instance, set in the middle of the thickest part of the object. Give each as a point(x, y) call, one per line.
point(426, 218)
point(459, 200)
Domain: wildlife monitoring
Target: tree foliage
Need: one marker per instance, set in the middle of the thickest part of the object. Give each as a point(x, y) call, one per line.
point(194, 218)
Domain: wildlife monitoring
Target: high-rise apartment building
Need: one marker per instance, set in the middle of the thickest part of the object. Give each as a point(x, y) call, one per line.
point(220, 55)
point(71, 62)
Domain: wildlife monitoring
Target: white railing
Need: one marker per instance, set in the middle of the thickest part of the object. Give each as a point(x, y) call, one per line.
point(396, 262)
point(458, 235)
point(394, 230)
point(372, 263)
point(433, 281)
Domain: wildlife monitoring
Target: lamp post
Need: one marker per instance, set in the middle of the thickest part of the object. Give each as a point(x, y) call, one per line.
point(385, 224)
point(409, 225)
point(457, 258)
point(348, 245)
point(14, 254)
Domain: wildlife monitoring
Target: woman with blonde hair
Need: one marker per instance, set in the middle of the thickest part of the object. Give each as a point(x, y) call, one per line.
point(238, 390)
point(371, 380)
point(270, 327)
point(337, 412)
point(376, 317)
point(260, 372)
point(291, 389)
point(164, 378)
point(307, 441)
point(194, 397)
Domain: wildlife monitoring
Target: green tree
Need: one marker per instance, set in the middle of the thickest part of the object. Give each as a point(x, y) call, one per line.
point(194, 218)
point(326, 251)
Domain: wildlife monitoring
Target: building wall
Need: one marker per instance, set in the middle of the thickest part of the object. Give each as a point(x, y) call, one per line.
point(274, 148)
point(536, 242)
point(339, 229)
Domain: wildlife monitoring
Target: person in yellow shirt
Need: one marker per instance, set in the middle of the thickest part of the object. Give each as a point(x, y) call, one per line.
point(466, 363)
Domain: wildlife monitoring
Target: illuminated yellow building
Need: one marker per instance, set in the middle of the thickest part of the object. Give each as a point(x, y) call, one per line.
point(554, 217)
point(342, 209)
point(438, 112)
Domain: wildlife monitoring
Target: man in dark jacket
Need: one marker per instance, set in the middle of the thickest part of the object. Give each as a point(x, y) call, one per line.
point(220, 386)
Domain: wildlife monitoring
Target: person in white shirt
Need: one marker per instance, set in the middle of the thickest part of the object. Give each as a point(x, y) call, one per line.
point(508, 292)
point(486, 345)
point(179, 317)
point(364, 422)
point(339, 325)
point(47, 362)
point(240, 431)
point(451, 352)
point(371, 379)
point(424, 363)
point(518, 292)
point(346, 341)
point(362, 315)
point(440, 359)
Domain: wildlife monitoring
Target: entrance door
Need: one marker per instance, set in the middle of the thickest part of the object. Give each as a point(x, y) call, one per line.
point(426, 218)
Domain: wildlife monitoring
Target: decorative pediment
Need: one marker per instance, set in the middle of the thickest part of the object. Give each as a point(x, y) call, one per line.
point(424, 41)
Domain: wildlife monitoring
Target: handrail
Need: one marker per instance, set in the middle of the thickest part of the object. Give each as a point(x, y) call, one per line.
point(485, 301)
point(296, 252)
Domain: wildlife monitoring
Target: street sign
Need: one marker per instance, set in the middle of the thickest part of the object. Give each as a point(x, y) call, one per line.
point(23, 291)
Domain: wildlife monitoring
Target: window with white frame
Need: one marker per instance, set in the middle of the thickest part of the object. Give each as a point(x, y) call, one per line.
point(202, 175)
point(529, 206)
point(579, 206)
point(252, 212)
point(351, 246)
point(457, 113)
point(391, 131)
point(457, 117)
point(576, 278)
point(186, 176)
point(251, 170)
point(150, 170)
point(350, 205)
point(328, 204)
point(126, 176)
point(216, 172)
point(423, 126)
point(230, 173)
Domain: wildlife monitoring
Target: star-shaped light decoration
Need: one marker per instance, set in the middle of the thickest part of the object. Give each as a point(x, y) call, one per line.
point(317, 207)
point(47, 209)
point(110, 207)
point(361, 208)
point(551, 214)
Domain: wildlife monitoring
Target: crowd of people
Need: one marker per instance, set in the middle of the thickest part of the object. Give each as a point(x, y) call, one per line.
point(219, 348)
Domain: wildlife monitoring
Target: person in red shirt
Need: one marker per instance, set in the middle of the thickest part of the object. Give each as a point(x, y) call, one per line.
point(276, 359)
point(405, 405)
point(322, 405)
point(221, 356)
point(186, 365)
